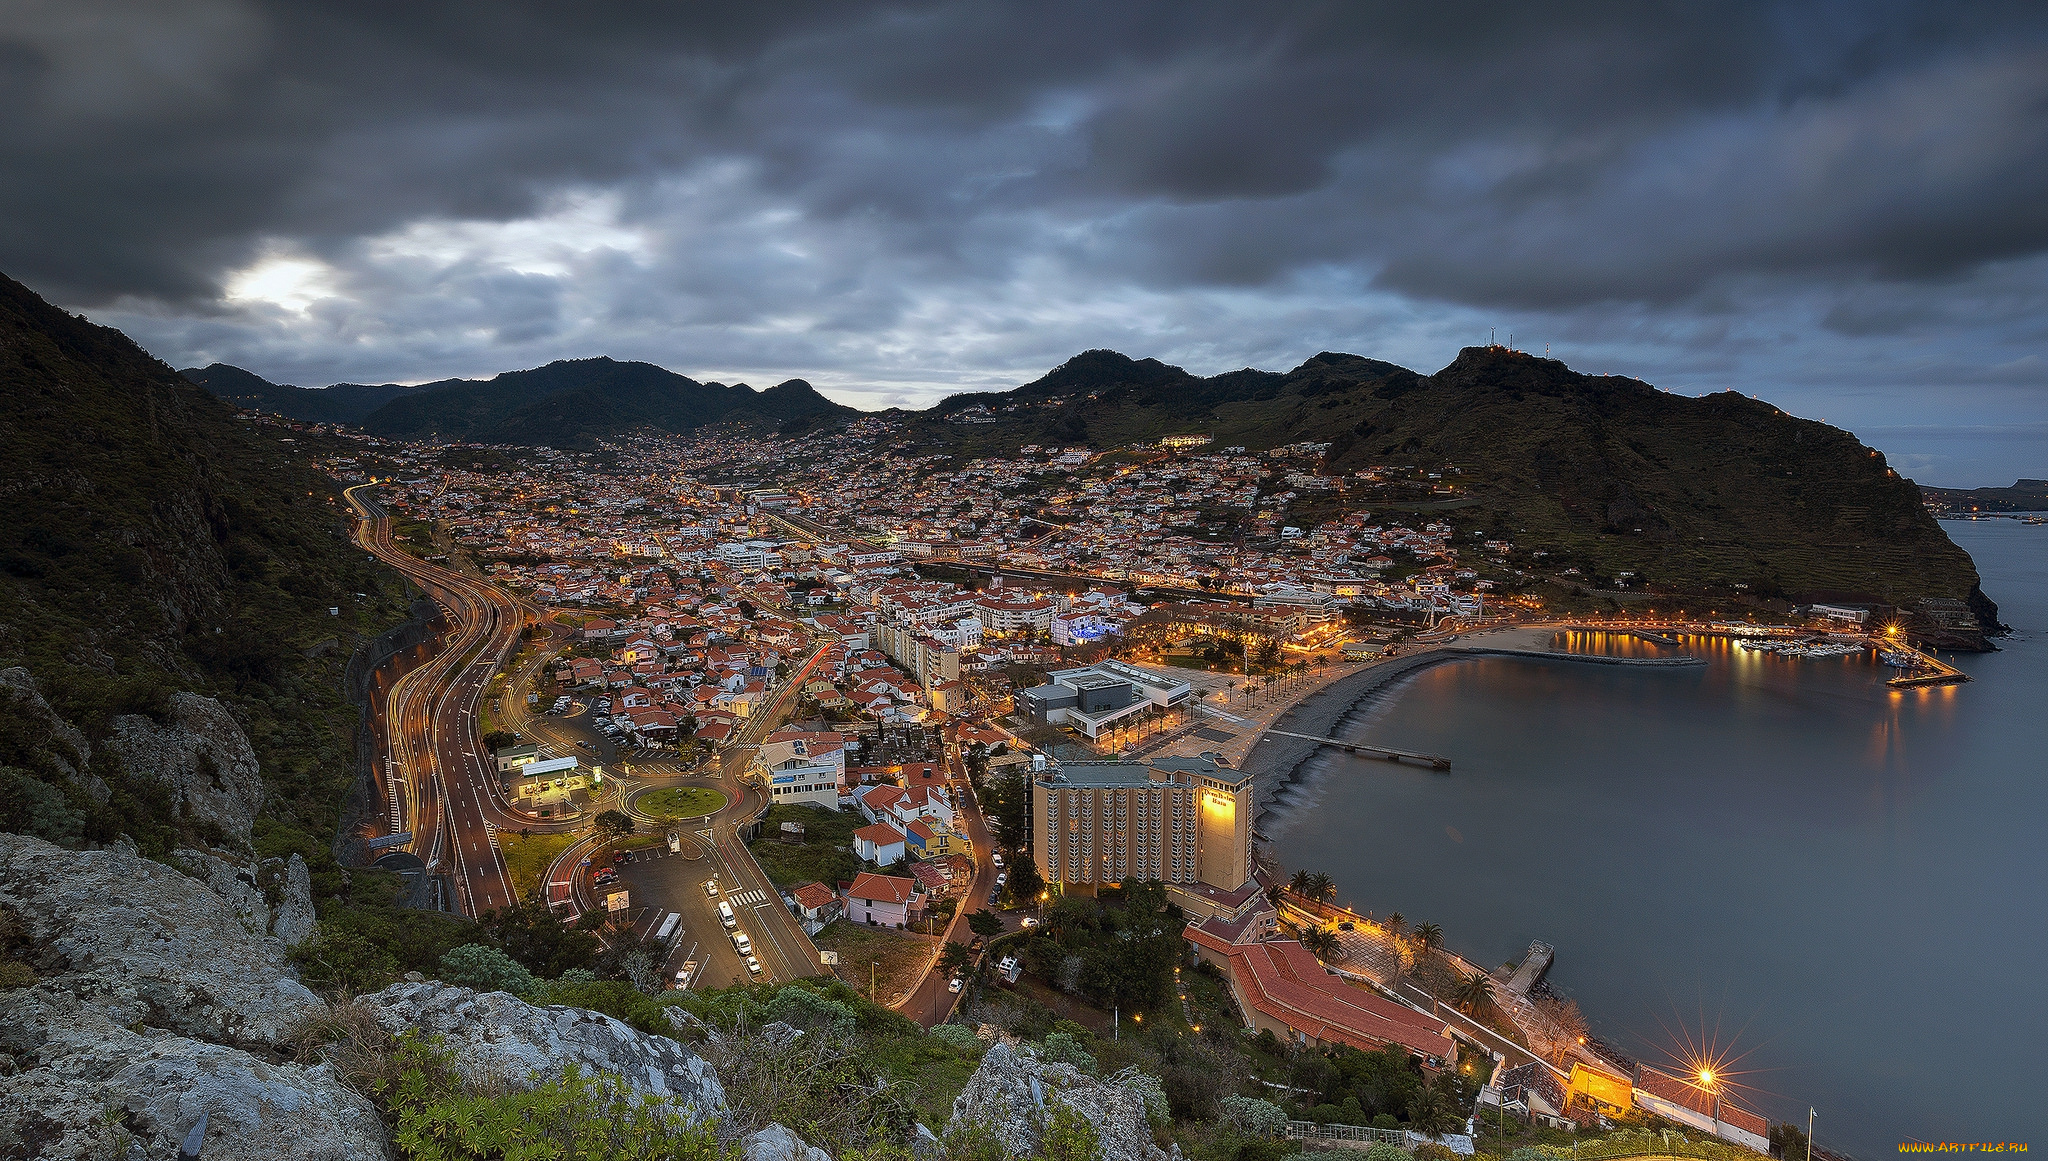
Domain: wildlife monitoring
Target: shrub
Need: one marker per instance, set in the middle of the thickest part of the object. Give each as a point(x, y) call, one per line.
point(615, 998)
point(1064, 1048)
point(592, 1117)
point(1253, 1117)
point(1069, 1137)
point(1381, 1151)
point(957, 1036)
point(803, 1008)
point(487, 969)
point(1158, 1110)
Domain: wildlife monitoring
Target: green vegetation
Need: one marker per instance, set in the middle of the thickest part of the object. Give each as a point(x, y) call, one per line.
point(826, 854)
point(1111, 951)
point(527, 857)
point(434, 1116)
point(681, 802)
point(896, 958)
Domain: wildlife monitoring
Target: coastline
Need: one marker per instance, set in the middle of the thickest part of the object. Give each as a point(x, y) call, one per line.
point(1277, 762)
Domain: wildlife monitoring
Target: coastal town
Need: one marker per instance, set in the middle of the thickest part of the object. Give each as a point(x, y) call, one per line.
point(953, 713)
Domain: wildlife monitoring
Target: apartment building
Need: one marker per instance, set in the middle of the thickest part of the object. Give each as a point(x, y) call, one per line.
point(1180, 821)
point(931, 661)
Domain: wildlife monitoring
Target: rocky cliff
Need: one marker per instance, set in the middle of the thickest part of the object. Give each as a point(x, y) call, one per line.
point(146, 998)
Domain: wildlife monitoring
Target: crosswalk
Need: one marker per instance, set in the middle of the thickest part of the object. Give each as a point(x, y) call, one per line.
point(753, 898)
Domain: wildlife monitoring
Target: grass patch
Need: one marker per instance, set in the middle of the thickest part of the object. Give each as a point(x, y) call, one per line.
point(527, 859)
point(682, 802)
point(826, 854)
point(896, 958)
point(924, 1070)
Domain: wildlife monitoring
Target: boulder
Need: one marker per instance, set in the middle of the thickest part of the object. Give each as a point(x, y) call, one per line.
point(79, 1081)
point(498, 1038)
point(776, 1143)
point(273, 897)
point(254, 1109)
point(292, 919)
point(163, 949)
point(201, 757)
point(1014, 1092)
point(38, 730)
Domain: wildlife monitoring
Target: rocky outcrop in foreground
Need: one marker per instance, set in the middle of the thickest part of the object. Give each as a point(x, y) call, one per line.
point(1014, 1091)
point(152, 946)
point(155, 1003)
point(159, 997)
point(497, 1038)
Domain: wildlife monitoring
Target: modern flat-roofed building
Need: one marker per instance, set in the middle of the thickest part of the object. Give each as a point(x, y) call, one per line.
point(1180, 821)
point(1095, 698)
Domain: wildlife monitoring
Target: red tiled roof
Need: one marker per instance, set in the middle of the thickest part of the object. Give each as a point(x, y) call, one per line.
point(881, 888)
point(1284, 981)
point(1683, 1092)
point(812, 896)
point(881, 834)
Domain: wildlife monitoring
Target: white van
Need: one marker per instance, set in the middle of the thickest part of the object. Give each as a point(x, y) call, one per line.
point(726, 916)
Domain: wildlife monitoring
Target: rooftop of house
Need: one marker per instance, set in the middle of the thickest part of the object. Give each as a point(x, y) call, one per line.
point(882, 888)
point(1282, 980)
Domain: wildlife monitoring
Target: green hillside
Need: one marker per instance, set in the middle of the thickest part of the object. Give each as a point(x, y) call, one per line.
point(155, 543)
point(341, 403)
point(1609, 474)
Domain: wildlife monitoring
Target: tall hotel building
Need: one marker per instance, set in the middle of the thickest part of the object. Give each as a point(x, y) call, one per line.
point(1182, 821)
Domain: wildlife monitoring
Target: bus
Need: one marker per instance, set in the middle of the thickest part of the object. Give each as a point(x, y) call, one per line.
point(668, 927)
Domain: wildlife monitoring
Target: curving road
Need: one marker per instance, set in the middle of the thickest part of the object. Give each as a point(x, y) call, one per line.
point(439, 781)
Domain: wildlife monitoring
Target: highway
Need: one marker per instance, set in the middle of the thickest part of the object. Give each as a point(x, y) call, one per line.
point(440, 782)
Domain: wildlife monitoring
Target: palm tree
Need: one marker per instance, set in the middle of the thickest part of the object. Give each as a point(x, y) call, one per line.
point(1320, 941)
point(1474, 993)
point(1299, 881)
point(1321, 887)
point(1430, 936)
point(1397, 925)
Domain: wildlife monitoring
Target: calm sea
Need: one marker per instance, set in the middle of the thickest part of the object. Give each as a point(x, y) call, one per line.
point(1842, 888)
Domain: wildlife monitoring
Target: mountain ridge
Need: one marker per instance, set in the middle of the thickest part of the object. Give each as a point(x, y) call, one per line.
point(565, 403)
point(1613, 477)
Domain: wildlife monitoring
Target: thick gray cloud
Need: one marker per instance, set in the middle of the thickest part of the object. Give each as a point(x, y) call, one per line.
point(1835, 206)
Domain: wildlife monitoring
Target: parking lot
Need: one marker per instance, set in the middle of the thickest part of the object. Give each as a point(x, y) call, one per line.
point(678, 882)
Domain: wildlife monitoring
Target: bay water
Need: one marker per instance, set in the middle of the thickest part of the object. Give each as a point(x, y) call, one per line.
point(1837, 888)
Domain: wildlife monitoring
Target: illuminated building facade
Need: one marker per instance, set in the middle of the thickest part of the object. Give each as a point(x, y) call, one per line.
point(1181, 821)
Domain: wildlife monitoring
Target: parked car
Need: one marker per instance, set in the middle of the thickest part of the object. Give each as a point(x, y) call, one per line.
point(954, 985)
point(753, 966)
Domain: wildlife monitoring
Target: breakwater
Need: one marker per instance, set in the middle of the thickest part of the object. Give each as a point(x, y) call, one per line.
point(1282, 753)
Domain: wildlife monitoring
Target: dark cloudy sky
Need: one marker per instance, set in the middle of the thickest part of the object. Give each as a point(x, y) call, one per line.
point(1842, 208)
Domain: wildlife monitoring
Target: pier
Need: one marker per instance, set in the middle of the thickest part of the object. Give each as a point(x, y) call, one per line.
point(1938, 672)
point(1433, 761)
point(1639, 634)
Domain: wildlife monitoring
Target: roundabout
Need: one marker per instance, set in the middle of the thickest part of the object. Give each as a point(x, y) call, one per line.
point(679, 803)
